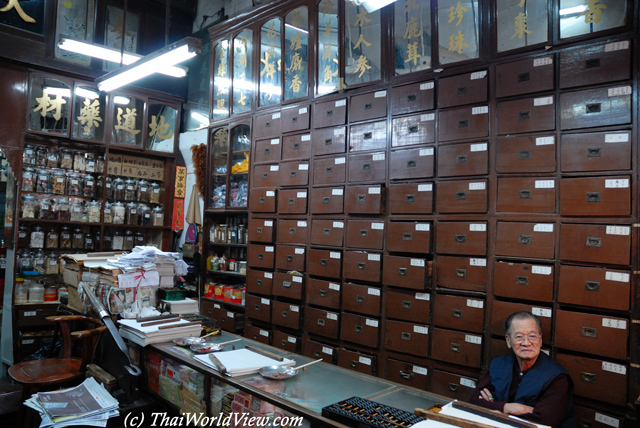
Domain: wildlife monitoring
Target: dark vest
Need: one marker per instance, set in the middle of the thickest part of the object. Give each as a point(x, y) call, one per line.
point(533, 383)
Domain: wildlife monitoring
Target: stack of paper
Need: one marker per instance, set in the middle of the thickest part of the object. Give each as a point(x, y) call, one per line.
point(185, 306)
point(135, 332)
point(243, 361)
point(87, 404)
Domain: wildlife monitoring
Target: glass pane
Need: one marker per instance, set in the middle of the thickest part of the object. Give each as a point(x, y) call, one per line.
point(578, 17)
point(362, 49)
point(221, 81)
point(296, 46)
point(115, 34)
point(162, 127)
point(127, 121)
point(75, 19)
point(219, 168)
point(49, 105)
point(458, 30)
point(88, 118)
point(242, 84)
point(521, 23)
point(327, 46)
point(196, 111)
point(413, 35)
point(270, 62)
point(238, 182)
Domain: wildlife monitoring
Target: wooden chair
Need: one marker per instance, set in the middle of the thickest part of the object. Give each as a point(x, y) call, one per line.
point(66, 370)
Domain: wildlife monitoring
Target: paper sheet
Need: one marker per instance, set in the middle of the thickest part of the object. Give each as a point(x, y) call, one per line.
point(243, 361)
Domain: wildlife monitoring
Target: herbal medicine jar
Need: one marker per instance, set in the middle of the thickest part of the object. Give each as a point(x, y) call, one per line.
point(21, 292)
point(28, 180)
point(108, 188)
point(45, 210)
point(66, 159)
point(39, 262)
point(157, 217)
point(37, 237)
point(94, 212)
point(127, 244)
point(108, 213)
point(79, 163)
point(58, 182)
point(89, 186)
point(107, 241)
point(77, 240)
point(74, 184)
point(53, 159)
point(143, 191)
point(154, 193)
point(133, 214)
point(52, 240)
point(145, 215)
point(63, 208)
point(65, 237)
point(90, 163)
point(100, 163)
point(117, 241)
point(77, 211)
point(43, 183)
point(138, 239)
point(23, 236)
point(36, 293)
point(118, 189)
point(51, 263)
point(118, 213)
point(88, 243)
point(28, 206)
point(41, 156)
point(28, 155)
point(129, 190)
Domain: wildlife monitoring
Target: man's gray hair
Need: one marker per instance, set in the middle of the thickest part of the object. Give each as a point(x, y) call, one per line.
point(521, 315)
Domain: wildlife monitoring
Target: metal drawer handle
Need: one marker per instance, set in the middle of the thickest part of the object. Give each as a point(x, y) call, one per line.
point(461, 273)
point(405, 336)
point(265, 175)
point(590, 332)
point(267, 151)
point(329, 113)
point(461, 159)
point(457, 313)
point(594, 152)
point(411, 97)
point(409, 198)
point(522, 280)
point(402, 271)
point(592, 286)
point(593, 242)
point(328, 141)
point(524, 77)
point(321, 322)
point(360, 299)
point(413, 129)
point(323, 262)
point(407, 236)
point(368, 106)
point(326, 232)
point(463, 123)
point(524, 154)
point(368, 135)
point(362, 198)
point(524, 239)
point(364, 232)
point(285, 314)
point(259, 230)
point(525, 194)
point(461, 195)
point(286, 284)
point(268, 124)
point(283, 343)
point(292, 201)
point(460, 239)
point(296, 146)
point(594, 108)
point(293, 173)
point(353, 363)
point(406, 375)
point(593, 196)
point(592, 63)
point(259, 282)
point(292, 231)
point(256, 337)
point(262, 200)
point(316, 354)
point(260, 256)
point(326, 200)
point(455, 347)
point(462, 90)
point(585, 424)
point(328, 170)
point(294, 119)
point(210, 311)
point(289, 258)
point(361, 265)
point(366, 167)
point(588, 377)
point(256, 307)
point(524, 115)
point(406, 304)
point(411, 164)
point(323, 293)
point(357, 328)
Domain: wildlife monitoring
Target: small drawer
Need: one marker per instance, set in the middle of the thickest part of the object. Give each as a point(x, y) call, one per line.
point(361, 299)
point(594, 286)
point(323, 293)
point(230, 320)
point(368, 136)
point(329, 141)
point(262, 201)
point(321, 322)
point(458, 313)
point(526, 195)
point(461, 273)
point(411, 198)
point(317, 350)
point(414, 130)
point(406, 272)
point(287, 315)
point(325, 263)
point(468, 88)
point(415, 97)
point(288, 285)
point(258, 308)
point(596, 151)
point(596, 243)
point(525, 76)
point(267, 150)
point(364, 199)
point(523, 154)
point(526, 115)
point(268, 124)
point(296, 147)
point(595, 196)
point(292, 232)
point(367, 167)
point(461, 237)
point(463, 123)
point(368, 106)
point(452, 385)
point(292, 201)
point(523, 281)
point(468, 196)
point(457, 347)
point(295, 119)
point(265, 176)
point(286, 341)
point(261, 230)
point(330, 170)
point(591, 418)
point(405, 305)
point(362, 363)
point(258, 334)
point(502, 310)
point(327, 200)
point(407, 338)
point(294, 174)
point(330, 113)
point(360, 329)
point(290, 258)
point(527, 240)
point(259, 282)
point(411, 163)
point(596, 107)
point(595, 64)
point(408, 374)
point(261, 256)
point(599, 380)
point(594, 334)
point(368, 234)
point(463, 159)
point(362, 266)
point(409, 237)
point(326, 232)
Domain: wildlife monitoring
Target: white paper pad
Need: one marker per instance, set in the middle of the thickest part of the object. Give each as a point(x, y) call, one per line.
point(242, 361)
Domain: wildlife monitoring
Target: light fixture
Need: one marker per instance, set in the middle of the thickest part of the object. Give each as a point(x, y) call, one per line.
point(109, 54)
point(572, 10)
point(161, 59)
point(373, 5)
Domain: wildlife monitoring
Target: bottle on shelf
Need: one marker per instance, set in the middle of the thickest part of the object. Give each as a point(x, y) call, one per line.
point(21, 292)
point(36, 292)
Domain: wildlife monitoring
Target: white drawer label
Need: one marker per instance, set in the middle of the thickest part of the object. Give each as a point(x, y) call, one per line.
point(268, 223)
point(337, 192)
point(305, 138)
point(380, 125)
point(473, 339)
point(478, 75)
point(543, 227)
point(264, 333)
point(622, 183)
point(427, 85)
point(303, 110)
point(618, 230)
point(616, 276)
point(339, 131)
point(607, 420)
point(477, 186)
point(423, 296)
point(477, 262)
point(541, 270)
point(274, 168)
point(420, 329)
point(377, 226)
point(614, 368)
point(374, 190)
point(341, 103)
point(275, 116)
point(339, 161)
point(331, 316)
point(424, 227)
point(417, 262)
point(373, 291)
point(292, 339)
point(545, 184)
point(425, 187)
point(616, 46)
point(373, 257)
point(28, 341)
point(616, 138)
point(420, 370)
point(299, 251)
point(294, 308)
point(544, 101)
point(217, 306)
point(303, 167)
point(334, 286)
point(545, 141)
point(268, 275)
point(327, 350)
point(268, 249)
point(478, 147)
point(334, 255)
point(426, 152)
point(380, 94)
point(469, 383)
point(378, 157)
point(270, 193)
point(372, 323)
point(427, 117)
point(275, 141)
point(296, 279)
point(302, 224)
point(265, 302)
point(301, 194)
point(231, 314)
point(29, 313)
point(478, 227)
point(614, 323)
point(547, 60)
point(620, 91)
point(364, 360)
point(480, 110)
point(541, 312)
point(472, 303)
point(338, 225)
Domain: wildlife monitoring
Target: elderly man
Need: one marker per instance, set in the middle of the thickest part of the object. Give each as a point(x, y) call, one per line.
point(525, 382)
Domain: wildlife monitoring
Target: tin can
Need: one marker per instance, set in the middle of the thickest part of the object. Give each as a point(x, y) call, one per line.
point(227, 293)
point(50, 294)
point(217, 292)
point(236, 295)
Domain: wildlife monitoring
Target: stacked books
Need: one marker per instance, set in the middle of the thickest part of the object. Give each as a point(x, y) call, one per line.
point(145, 333)
point(87, 404)
point(185, 306)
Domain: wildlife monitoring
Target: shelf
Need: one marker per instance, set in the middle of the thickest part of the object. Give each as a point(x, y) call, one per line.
point(231, 304)
point(55, 195)
point(227, 210)
point(219, 244)
point(226, 273)
point(75, 223)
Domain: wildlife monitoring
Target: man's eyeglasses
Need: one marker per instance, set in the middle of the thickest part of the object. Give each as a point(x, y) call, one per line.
point(533, 338)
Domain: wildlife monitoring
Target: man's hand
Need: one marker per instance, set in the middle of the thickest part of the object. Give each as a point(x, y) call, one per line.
point(517, 409)
point(485, 394)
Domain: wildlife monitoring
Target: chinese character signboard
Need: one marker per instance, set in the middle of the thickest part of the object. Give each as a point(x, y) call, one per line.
point(412, 35)
point(242, 83)
point(579, 17)
point(327, 46)
point(221, 80)
point(25, 15)
point(296, 44)
point(362, 50)
point(161, 120)
point(127, 121)
point(50, 103)
point(270, 62)
point(521, 23)
point(181, 182)
point(458, 22)
point(88, 117)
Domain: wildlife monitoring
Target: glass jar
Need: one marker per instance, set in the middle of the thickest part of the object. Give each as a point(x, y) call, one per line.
point(77, 209)
point(37, 237)
point(93, 212)
point(45, 210)
point(43, 181)
point(108, 189)
point(79, 163)
point(65, 237)
point(107, 241)
point(145, 214)
point(154, 193)
point(53, 159)
point(88, 242)
point(77, 240)
point(108, 213)
point(99, 184)
point(129, 190)
point(66, 159)
point(138, 239)
point(27, 262)
point(21, 292)
point(133, 214)
point(41, 156)
point(51, 263)
point(117, 241)
point(88, 186)
point(38, 262)
point(36, 292)
point(58, 182)
point(28, 180)
point(143, 191)
point(63, 208)
point(74, 184)
point(127, 244)
point(241, 234)
point(157, 216)
point(28, 155)
point(29, 205)
point(119, 212)
point(118, 189)
point(96, 240)
point(100, 163)
point(52, 240)
point(90, 162)
point(23, 236)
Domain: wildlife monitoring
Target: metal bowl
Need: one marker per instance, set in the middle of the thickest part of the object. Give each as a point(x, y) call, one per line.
point(187, 341)
point(278, 372)
point(204, 347)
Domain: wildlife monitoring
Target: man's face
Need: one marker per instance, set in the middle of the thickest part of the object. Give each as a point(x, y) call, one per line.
point(525, 339)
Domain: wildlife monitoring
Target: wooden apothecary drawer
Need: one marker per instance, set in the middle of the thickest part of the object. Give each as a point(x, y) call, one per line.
point(362, 266)
point(323, 293)
point(330, 170)
point(409, 237)
point(468, 88)
point(292, 232)
point(452, 385)
point(411, 163)
point(317, 350)
point(406, 272)
point(327, 200)
point(329, 141)
point(262, 201)
point(364, 199)
point(290, 258)
point(595, 196)
point(258, 308)
point(361, 299)
point(367, 167)
point(463, 159)
point(525, 76)
point(367, 234)
point(461, 237)
point(408, 374)
point(295, 119)
point(267, 150)
point(288, 285)
point(258, 334)
point(527, 240)
point(411, 198)
point(523, 281)
point(259, 282)
point(286, 341)
point(595, 243)
point(362, 363)
point(596, 107)
point(321, 322)
point(265, 176)
point(292, 201)
point(405, 305)
point(457, 347)
point(360, 329)
point(523, 154)
point(325, 263)
point(407, 338)
point(294, 174)
point(296, 147)
point(595, 64)
point(527, 115)
point(413, 130)
point(368, 136)
point(330, 113)
point(596, 151)
point(590, 333)
point(414, 97)
point(268, 124)
point(261, 256)
point(526, 195)
point(261, 230)
point(368, 106)
point(463, 123)
point(458, 313)
point(469, 196)
point(287, 315)
point(594, 286)
point(327, 232)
